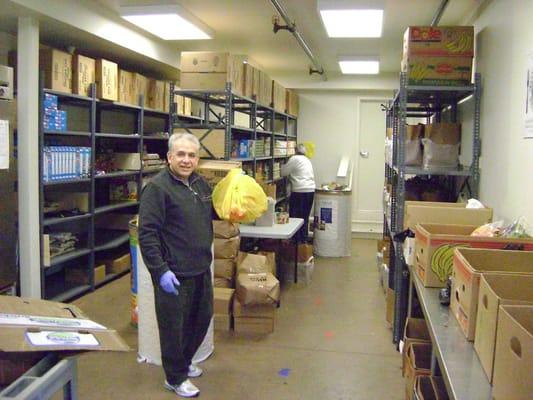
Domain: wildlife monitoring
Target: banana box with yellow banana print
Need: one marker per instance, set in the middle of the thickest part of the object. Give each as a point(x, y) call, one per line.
point(468, 266)
point(437, 71)
point(439, 41)
point(434, 246)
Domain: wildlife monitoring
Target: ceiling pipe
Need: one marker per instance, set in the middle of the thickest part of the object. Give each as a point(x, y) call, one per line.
point(291, 27)
point(438, 14)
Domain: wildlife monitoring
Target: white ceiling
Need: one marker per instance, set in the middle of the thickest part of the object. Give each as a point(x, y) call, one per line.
point(245, 27)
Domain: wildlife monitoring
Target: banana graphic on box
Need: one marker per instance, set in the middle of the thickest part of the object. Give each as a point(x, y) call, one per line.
point(442, 260)
point(460, 44)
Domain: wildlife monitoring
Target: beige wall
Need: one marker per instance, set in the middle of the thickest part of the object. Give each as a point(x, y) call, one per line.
point(504, 39)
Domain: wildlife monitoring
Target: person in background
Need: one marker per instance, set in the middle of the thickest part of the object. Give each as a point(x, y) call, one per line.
point(300, 172)
point(175, 236)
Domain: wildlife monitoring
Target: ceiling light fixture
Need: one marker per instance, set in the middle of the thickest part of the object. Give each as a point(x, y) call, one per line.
point(352, 18)
point(169, 22)
point(359, 65)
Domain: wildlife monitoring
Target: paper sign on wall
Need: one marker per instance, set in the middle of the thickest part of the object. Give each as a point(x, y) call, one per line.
point(4, 144)
point(528, 133)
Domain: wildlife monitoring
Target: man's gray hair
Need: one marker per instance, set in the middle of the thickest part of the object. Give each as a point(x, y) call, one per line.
point(301, 149)
point(176, 137)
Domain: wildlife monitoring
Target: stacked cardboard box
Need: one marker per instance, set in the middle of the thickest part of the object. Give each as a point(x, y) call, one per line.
point(418, 362)
point(156, 95)
point(438, 55)
point(106, 80)
point(57, 68)
point(278, 97)
point(222, 308)
point(226, 248)
point(209, 70)
point(468, 266)
point(83, 74)
point(292, 104)
point(430, 388)
point(415, 331)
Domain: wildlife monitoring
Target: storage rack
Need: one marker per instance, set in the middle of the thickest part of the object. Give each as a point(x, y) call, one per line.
point(91, 113)
point(218, 112)
point(421, 102)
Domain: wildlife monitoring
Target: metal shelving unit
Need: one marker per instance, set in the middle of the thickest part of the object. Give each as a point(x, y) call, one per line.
point(428, 102)
point(53, 284)
point(219, 108)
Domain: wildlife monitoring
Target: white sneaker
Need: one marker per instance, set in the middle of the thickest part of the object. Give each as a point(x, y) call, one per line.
point(186, 389)
point(194, 371)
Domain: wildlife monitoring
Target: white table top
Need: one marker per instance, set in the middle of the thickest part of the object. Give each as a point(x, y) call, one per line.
point(276, 231)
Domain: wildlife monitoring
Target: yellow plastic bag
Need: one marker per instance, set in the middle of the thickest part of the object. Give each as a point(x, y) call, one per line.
point(239, 198)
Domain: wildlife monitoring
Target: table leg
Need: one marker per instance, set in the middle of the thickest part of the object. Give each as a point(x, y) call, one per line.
point(296, 262)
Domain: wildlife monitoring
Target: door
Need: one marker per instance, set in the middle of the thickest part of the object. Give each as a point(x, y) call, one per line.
point(370, 166)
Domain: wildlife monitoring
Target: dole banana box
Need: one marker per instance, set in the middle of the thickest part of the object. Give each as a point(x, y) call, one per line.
point(468, 266)
point(434, 246)
point(439, 41)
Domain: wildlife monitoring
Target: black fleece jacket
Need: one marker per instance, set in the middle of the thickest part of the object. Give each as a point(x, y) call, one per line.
point(175, 225)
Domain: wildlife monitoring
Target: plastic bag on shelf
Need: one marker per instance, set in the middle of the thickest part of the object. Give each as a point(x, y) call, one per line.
point(474, 203)
point(518, 229)
point(440, 155)
point(492, 229)
point(413, 152)
point(239, 198)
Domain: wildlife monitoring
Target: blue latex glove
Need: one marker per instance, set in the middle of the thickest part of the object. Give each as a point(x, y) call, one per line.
point(169, 282)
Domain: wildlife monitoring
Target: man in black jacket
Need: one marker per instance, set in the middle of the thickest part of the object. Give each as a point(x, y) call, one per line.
point(175, 236)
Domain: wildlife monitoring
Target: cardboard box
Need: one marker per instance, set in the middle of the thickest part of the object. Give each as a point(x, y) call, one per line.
point(415, 331)
point(443, 133)
point(440, 71)
point(418, 363)
point(430, 388)
point(80, 276)
point(127, 161)
point(212, 141)
point(70, 200)
point(83, 74)
point(260, 288)
point(156, 95)
point(226, 248)
point(126, 89)
point(434, 245)
point(140, 84)
point(248, 80)
point(427, 212)
point(264, 95)
point(225, 229)
point(223, 299)
point(496, 290)
point(214, 171)
point(204, 81)
point(225, 268)
point(255, 311)
point(247, 325)
point(513, 362)
point(278, 97)
point(222, 322)
point(166, 97)
point(389, 312)
point(439, 41)
point(57, 68)
point(187, 106)
point(106, 80)
point(119, 264)
point(58, 326)
point(468, 265)
point(248, 263)
point(205, 61)
point(222, 283)
point(256, 84)
point(292, 103)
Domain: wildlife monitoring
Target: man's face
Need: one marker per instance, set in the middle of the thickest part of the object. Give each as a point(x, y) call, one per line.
point(183, 159)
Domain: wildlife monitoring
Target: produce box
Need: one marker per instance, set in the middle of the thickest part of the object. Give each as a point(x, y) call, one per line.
point(430, 388)
point(205, 61)
point(513, 362)
point(468, 265)
point(418, 363)
point(428, 212)
point(223, 299)
point(140, 84)
point(156, 95)
point(262, 288)
point(415, 331)
point(215, 170)
point(212, 141)
point(437, 71)
point(434, 245)
point(248, 80)
point(57, 68)
point(126, 88)
point(292, 105)
point(278, 97)
point(31, 328)
point(106, 80)
point(439, 41)
point(83, 74)
point(496, 290)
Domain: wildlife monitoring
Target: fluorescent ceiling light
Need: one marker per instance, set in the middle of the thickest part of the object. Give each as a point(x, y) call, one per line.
point(359, 66)
point(351, 19)
point(169, 22)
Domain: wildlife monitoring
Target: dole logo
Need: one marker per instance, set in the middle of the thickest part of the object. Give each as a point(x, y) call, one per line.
point(426, 33)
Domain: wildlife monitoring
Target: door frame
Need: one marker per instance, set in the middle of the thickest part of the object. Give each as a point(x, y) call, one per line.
point(359, 225)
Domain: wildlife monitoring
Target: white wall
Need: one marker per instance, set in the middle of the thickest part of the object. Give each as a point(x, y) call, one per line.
point(504, 39)
point(329, 119)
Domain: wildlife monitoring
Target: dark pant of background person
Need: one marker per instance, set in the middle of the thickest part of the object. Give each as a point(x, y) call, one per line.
point(183, 322)
point(299, 207)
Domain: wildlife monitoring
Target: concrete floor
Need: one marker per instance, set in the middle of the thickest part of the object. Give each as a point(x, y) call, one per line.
point(331, 337)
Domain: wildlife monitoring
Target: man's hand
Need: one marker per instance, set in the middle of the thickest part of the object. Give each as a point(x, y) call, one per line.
point(169, 282)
